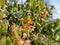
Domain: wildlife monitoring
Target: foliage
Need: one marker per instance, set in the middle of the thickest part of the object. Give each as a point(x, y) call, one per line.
point(27, 24)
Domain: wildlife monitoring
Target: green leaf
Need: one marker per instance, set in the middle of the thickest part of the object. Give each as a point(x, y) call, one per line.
point(35, 42)
point(8, 41)
point(57, 35)
point(3, 41)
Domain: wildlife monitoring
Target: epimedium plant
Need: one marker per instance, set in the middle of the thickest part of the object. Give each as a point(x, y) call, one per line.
point(27, 24)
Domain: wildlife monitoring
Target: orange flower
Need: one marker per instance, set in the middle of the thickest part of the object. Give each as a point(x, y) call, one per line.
point(32, 29)
point(45, 12)
point(28, 21)
point(26, 26)
point(23, 26)
point(23, 44)
point(18, 41)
